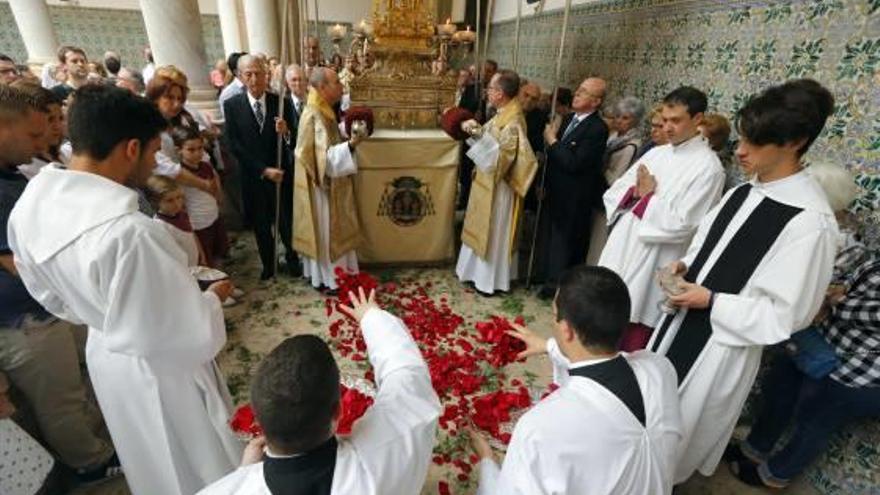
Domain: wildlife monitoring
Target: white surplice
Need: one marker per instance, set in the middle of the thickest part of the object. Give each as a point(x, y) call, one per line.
point(498, 268)
point(781, 297)
point(340, 163)
point(582, 439)
point(690, 180)
point(86, 254)
point(389, 449)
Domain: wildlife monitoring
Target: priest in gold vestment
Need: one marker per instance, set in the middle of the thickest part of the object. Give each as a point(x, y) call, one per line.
point(326, 229)
point(505, 167)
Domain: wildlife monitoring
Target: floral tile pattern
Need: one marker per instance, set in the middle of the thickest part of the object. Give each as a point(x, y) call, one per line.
point(99, 30)
point(730, 49)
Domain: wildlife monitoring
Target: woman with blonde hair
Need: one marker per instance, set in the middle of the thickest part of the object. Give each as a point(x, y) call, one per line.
point(656, 134)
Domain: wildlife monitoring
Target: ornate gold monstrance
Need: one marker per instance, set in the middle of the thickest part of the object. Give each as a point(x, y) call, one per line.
point(400, 86)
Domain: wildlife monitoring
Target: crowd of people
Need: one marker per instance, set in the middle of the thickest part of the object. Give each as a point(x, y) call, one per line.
point(672, 259)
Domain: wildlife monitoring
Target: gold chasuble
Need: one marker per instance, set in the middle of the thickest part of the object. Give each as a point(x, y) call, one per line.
point(317, 132)
point(516, 165)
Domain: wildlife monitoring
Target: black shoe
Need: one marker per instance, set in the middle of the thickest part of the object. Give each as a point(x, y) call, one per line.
point(294, 268)
point(747, 472)
point(484, 294)
point(733, 453)
point(266, 275)
point(109, 469)
point(546, 293)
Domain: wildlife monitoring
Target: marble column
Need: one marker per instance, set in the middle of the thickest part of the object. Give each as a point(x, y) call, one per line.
point(229, 26)
point(35, 26)
point(261, 17)
point(174, 29)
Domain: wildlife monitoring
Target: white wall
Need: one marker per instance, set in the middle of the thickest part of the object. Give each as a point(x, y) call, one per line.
point(205, 6)
point(341, 10)
point(506, 9)
point(328, 10)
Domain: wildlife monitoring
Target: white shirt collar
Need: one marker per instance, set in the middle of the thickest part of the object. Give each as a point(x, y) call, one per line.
point(588, 362)
point(800, 190)
point(690, 142)
point(253, 100)
point(579, 117)
point(273, 455)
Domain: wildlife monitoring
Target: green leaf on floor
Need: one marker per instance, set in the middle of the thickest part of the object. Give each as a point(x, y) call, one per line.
point(512, 305)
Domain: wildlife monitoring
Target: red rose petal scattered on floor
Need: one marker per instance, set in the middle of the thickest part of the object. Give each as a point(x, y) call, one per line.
point(465, 362)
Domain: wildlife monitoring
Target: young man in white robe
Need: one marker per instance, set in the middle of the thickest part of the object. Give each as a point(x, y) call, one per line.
point(326, 228)
point(505, 168)
point(655, 207)
point(295, 396)
point(612, 427)
point(756, 271)
point(87, 255)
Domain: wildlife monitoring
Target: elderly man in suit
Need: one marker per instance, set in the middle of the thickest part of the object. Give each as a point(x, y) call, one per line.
point(574, 182)
point(252, 129)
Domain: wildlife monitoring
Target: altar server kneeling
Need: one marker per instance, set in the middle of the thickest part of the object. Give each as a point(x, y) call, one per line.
point(295, 396)
point(613, 426)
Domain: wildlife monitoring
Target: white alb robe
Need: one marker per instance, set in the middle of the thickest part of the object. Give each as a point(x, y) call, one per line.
point(389, 449)
point(340, 163)
point(498, 268)
point(88, 256)
point(582, 439)
point(690, 179)
point(782, 296)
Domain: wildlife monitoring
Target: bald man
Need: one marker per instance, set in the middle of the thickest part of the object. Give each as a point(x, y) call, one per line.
point(298, 89)
point(574, 183)
point(313, 54)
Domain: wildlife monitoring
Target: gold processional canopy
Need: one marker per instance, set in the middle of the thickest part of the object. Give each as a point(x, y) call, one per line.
point(404, 86)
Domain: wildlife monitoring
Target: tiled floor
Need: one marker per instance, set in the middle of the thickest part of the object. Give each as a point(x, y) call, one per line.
point(272, 311)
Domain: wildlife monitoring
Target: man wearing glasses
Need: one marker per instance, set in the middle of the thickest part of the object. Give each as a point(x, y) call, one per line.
point(8, 72)
point(574, 183)
point(505, 168)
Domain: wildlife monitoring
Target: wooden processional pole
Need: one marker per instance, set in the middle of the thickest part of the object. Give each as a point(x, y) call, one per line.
point(489, 9)
point(478, 89)
point(317, 31)
point(302, 9)
point(278, 149)
point(552, 119)
point(516, 36)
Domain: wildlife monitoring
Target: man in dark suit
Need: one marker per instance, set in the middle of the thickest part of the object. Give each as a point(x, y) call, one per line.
point(574, 183)
point(252, 129)
point(295, 98)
